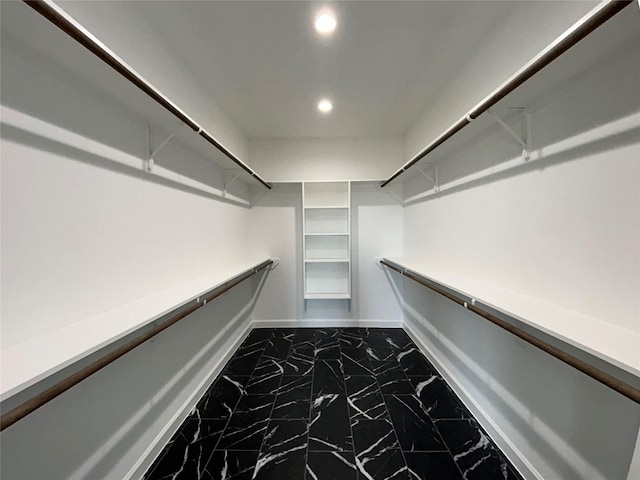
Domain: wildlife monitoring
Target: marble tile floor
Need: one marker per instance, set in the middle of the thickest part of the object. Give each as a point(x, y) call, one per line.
point(330, 404)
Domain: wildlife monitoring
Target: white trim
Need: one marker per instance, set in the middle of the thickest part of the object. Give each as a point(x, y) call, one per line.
point(157, 445)
point(326, 323)
point(509, 449)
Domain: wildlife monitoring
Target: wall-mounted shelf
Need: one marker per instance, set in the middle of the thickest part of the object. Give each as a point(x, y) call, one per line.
point(606, 352)
point(326, 229)
point(29, 368)
point(576, 79)
point(325, 234)
point(326, 260)
point(324, 207)
point(327, 296)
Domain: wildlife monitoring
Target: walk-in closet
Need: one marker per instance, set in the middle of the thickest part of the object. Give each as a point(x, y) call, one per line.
point(303, 240)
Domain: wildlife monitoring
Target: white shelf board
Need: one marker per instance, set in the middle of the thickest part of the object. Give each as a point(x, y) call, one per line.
point(339, 207)
point(611, 343)
point(326, 234)
point(327, 296)
point(326, 260)
point(25, 364)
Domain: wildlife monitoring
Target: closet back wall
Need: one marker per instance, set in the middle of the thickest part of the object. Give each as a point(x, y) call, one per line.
point(376, 228)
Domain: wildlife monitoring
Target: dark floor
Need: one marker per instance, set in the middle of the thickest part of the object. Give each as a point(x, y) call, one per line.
point(330, 403)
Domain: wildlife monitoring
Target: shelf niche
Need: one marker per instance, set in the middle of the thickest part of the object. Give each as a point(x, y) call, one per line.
point(326, 240)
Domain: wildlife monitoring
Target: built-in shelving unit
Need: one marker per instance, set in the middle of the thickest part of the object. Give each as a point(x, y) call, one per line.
point(326, 234)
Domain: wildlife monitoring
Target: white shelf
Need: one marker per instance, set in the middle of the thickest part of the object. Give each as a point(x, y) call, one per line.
point(615, 345)
point(327, 296)
point(28, 363)
point(328, 207)
point(341, 234)
point(326, 260)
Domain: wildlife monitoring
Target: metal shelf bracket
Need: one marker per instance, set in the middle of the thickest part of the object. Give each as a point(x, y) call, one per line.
point(523, 139)
point(154, 151)
point(434, 179)
point(230, 176)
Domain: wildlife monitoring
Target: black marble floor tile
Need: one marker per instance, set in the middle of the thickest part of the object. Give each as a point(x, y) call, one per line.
point(248, 424)
point(287, 334)
point(244, 361)
point(473, 451)
point(388, 465)
point(282, 467)
point(382, 358)
point(293, 400)
point(257, 335)
point(394, 381)
point(300, 361)
point(398, 339)
point(222, 397)
point(364, 399)
point(351, 338)
point(328, 352)
point(373, 437)
point(266, 377)
point(355, 361)
point(415, 430)
point(432, 466)
point(189, 451)
point(283, 450)
point(331, 466)
point(333, 403)
point(327, 336)
point(304, 335)
point(277, 349)
point(328, 377)
point(231, 465)
point(413, 362)
point(376, 337)
point(438, 399)
point(329, 426)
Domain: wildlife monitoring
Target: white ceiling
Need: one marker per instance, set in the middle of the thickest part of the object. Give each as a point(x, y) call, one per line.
point(267, 67)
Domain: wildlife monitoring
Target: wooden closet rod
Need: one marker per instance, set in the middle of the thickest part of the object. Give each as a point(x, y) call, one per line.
point(49, 394)
point(598, 16)
point(609, 380)
point(55, 15)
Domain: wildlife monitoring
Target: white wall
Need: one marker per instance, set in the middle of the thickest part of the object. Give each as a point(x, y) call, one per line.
point(564, 229)
point(376, 232)
point(295, 160)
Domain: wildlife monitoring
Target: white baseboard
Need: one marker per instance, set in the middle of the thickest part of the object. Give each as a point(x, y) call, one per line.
point(515, 456)
point(156, 447)
point(325, 323)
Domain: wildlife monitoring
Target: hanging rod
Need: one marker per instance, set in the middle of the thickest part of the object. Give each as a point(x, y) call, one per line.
point(610, 381)
point(57, 16)
point(24, 409)
point(594, 19)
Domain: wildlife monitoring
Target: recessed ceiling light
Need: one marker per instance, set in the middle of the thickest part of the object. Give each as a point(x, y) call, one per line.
point(325, 22)
point(325, 106)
